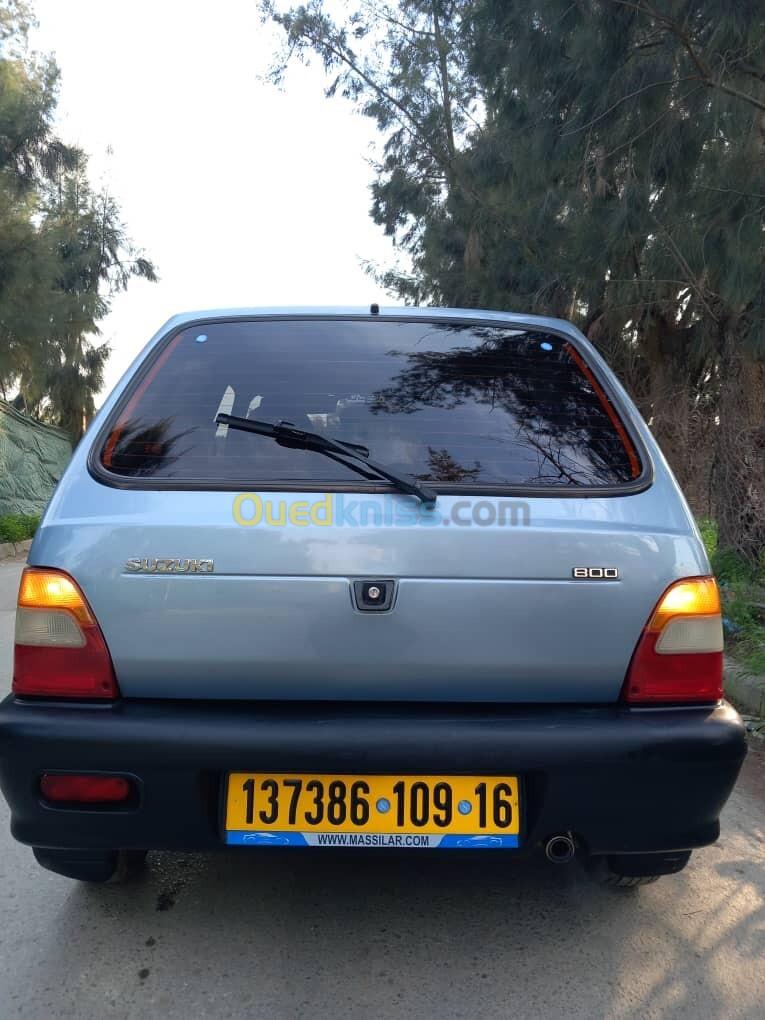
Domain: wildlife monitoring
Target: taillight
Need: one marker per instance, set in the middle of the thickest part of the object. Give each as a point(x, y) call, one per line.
point(79, 789)
point(679, 655)
point(59, 650)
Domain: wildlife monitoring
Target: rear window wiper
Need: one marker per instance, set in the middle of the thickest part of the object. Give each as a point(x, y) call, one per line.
point(353, 455)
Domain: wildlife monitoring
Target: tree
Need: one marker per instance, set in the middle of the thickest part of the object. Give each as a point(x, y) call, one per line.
point(29, 154)
point(403, 64)
point(647, 157)
point(608, 166)
point(63, 248)
point(94, 260)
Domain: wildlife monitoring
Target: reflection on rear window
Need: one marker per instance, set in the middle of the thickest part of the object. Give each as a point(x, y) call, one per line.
point(441, 401)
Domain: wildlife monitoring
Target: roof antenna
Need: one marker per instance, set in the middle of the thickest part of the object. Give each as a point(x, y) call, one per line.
point(374, 309)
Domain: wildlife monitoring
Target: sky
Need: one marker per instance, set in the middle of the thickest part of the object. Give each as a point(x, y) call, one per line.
point(242, 194)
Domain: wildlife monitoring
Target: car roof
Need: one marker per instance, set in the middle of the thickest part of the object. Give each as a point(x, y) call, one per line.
point(385, 311)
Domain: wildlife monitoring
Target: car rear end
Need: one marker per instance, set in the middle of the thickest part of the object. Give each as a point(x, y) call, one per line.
point(225, 638)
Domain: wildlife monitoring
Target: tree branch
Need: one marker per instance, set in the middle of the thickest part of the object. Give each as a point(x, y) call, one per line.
point(650, 127)
point(705, 73)
point(388, 18)
point(630, 95)
point(680, 259)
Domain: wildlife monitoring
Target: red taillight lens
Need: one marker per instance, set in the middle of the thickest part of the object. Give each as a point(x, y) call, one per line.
point(59, 649)
point(84, 789)
point(679, 656)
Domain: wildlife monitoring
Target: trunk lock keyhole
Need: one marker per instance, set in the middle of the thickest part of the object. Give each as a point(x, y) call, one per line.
point(373, 596)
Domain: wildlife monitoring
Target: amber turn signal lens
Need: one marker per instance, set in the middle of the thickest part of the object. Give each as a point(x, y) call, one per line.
point(696, 596)
point(49, 589)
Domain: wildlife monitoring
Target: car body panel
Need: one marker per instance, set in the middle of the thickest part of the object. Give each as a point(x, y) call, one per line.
point(481, 612)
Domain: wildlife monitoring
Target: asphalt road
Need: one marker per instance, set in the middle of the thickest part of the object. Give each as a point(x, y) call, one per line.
point(280, 936)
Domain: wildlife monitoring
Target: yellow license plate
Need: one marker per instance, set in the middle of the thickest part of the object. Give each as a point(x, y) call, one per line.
point(279, 809)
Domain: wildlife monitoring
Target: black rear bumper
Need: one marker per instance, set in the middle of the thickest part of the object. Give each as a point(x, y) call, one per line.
point(622, 780)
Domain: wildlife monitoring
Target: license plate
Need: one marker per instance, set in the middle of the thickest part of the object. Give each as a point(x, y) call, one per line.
point(424, 812)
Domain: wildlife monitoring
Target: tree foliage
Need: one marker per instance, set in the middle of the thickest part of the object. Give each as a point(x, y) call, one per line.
point(600, 160)
point(63, 248)
point(404, 65)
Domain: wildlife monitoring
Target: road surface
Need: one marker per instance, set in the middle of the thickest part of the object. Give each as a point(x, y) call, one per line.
point(283, 936)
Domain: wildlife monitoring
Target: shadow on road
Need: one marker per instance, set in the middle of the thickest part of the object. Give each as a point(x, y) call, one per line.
point(290, 934)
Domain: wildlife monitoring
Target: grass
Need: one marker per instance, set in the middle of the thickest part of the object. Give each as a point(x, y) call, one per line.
point(17, 527)
point(742, 590)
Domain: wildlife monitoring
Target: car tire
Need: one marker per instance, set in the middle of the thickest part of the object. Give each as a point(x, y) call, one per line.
point(629, 871)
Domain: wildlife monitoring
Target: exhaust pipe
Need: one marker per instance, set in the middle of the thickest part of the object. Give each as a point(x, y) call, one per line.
point(560, 849)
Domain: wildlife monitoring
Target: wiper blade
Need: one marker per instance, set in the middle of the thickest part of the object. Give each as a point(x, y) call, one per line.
point(353, 455)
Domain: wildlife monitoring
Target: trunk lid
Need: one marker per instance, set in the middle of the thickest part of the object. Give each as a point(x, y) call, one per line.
point(481, 613)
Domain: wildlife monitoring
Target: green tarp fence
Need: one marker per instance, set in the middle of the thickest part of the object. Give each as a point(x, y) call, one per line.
point(32, 458)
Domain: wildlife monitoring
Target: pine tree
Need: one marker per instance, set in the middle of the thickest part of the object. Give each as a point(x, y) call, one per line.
point(404, 65)
point(608, 166)
point(633, 137)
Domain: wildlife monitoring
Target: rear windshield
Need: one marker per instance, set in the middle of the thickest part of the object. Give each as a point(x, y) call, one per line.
point(444, 402)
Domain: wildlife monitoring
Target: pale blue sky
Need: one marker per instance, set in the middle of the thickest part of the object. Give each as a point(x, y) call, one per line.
point(243, 195)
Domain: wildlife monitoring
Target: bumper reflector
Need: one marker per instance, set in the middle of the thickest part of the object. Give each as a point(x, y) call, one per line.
point(84, 789)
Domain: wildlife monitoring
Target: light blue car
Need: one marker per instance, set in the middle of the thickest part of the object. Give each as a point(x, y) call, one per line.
point(375, 578)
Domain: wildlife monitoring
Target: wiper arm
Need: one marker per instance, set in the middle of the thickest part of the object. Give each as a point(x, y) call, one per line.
point(352, 453)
